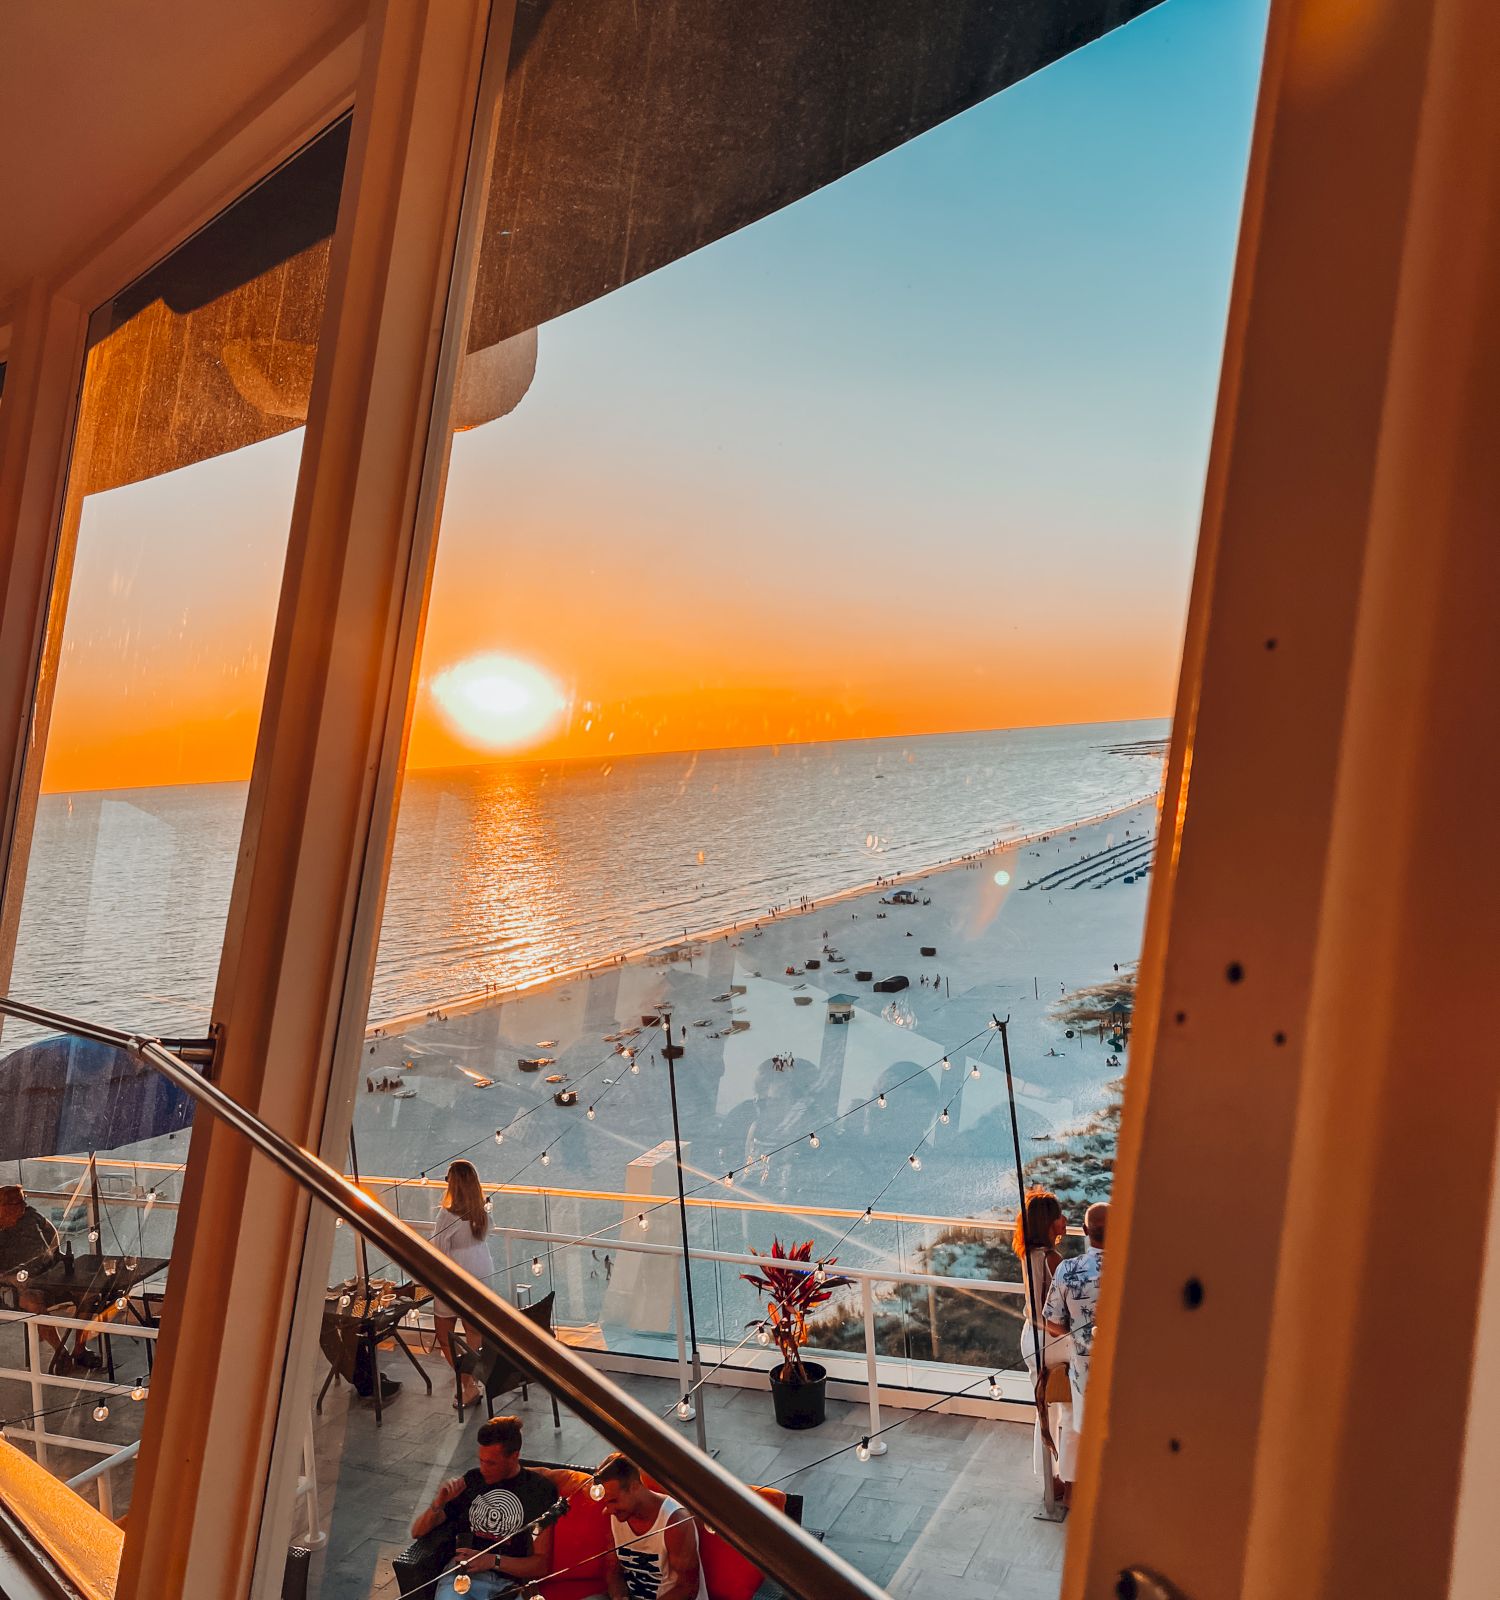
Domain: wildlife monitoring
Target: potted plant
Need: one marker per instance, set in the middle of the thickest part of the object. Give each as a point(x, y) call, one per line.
point(797, 1386)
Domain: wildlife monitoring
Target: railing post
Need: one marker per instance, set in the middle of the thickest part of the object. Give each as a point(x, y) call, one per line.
point(107, 1493)
point(33, 1332)
point(317, 1536)
point(872, 1364)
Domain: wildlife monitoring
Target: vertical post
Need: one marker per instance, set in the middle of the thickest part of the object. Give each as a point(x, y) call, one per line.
point(872, 1363)
point(687, 1259)
point(316, 1537)
point(32, 1332)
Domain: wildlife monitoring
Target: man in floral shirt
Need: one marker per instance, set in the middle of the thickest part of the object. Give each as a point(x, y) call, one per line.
point(1071, 1302)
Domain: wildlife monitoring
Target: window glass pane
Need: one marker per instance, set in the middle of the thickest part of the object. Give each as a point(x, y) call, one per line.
point(805, 623)
point(174, 534)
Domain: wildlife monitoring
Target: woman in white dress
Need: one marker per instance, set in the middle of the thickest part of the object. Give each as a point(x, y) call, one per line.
point(1040, 1229)
point(459, 1232)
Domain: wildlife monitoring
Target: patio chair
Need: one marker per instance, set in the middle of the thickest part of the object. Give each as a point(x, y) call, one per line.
point(492, 1367)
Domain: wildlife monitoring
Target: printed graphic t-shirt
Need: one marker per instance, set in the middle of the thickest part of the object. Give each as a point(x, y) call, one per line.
point(491, 1515)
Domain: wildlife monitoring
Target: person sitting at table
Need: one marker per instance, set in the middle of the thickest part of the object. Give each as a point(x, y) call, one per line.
point(459, 1232)
point(29, 1245)
point(489, 1510)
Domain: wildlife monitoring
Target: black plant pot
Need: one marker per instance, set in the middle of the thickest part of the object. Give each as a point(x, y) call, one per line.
point(800, 1405)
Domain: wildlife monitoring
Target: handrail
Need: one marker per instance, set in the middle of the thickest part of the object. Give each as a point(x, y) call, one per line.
point(375, 1181)
point(765, 1537)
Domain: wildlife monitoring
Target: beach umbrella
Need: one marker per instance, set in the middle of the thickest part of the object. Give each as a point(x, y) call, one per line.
point(68, 1096)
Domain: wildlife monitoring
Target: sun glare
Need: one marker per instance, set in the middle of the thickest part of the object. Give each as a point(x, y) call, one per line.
point(496, 702)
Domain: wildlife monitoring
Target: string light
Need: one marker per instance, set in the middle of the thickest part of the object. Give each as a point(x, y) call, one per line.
point(880, 1101)
point(635, 1066)
point(338, 1222)
point(93, 1236)
point(138, 1393)
point(763, 1334)
point(536, 1266)
point(869, 1215)
point(819, 1275)
point(685, 1409)
point(22, 1275)
point(461, 1582)
point(994, 1388)
point(914, 1162)
point(121, 1302)
point(596, 1491)
point(489, 1208)
point(729, 1180)
point(101, 1412)
point(499, 1135)
point(944, 1118)
point(862, 1450)
point(642, 1221)
point(591, 1113)
point(546, 1158)
point(344, 1302)
point(814, 1140)
point(974, 1070)
point(947, 1065)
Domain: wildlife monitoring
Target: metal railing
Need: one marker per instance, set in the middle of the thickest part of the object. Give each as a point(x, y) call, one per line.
point(769, 1539)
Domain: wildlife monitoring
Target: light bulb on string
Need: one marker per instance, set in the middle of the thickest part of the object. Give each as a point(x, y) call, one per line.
point(729, 1180)
point(596, 1491)
point(101, 1412)
point(944, 1119)
point(461, 1582)
point(536, 1266)
point(22, 1275)
point(344, 1302)
point(947, 1065)
point(121, 1302)
point(591, 1113)
point(994, 1388)
point(138, 1393)
point(489, 1208)
point(546, 1158)
point(880, 1101)
point(974, 1070)
point(819, 1275)
point(642, 1222)
point(499, 1135)
point(814, 1140)
point(93, 1236)
point(862, 1450)
point(685, 1409)
point(338, 1222)
point(914, 1162)
point(763, 1334)
point(869, 1215)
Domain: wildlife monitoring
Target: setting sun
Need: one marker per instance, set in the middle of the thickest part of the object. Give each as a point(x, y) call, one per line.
point(496, 702)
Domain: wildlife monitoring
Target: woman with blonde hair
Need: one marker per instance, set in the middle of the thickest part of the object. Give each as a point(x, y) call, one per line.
point(1040, 1228)
point(460, 1233)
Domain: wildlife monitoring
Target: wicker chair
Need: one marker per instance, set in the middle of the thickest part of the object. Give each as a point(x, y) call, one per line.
point(496, 1372)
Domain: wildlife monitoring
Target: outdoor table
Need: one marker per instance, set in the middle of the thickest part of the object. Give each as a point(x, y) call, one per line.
point(370, 1321)
point(93, 1283)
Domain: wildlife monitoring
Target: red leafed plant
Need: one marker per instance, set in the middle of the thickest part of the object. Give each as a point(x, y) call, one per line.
point(790, 1295)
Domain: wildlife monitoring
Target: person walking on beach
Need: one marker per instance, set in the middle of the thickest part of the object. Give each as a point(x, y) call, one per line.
point(460, 1233)
point(1041, 1228)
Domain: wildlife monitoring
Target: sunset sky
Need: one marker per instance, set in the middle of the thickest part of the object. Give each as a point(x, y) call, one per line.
point(923, 452)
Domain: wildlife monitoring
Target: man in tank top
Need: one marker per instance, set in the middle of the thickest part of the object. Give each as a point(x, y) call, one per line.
point(656, 1540)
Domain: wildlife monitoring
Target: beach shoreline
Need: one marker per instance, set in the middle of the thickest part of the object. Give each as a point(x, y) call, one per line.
point(479, 1000)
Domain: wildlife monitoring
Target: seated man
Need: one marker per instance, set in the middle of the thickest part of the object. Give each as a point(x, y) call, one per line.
point(29, 1244)
point(489, 1509)
point(656, 1540)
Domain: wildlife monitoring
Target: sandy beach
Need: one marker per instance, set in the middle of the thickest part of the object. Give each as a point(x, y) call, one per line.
point(763, 1064)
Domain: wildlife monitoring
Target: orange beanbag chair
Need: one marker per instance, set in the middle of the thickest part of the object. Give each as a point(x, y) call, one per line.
point(579, 1540)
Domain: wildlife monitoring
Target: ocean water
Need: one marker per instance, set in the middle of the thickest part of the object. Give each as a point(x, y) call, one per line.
point(505, 872)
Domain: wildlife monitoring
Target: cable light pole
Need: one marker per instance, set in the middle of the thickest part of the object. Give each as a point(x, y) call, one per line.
point(670, 1053)
point(1051, 1511)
